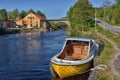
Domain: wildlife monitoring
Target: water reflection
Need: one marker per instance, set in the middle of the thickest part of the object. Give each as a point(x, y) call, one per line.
point(27, 56)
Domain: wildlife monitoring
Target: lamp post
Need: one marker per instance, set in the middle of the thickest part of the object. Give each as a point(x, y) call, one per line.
point(104, 18)
point(95, 20)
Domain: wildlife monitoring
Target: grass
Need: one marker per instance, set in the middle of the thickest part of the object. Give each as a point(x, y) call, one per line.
point(113, 36)
point(105, 55)
point(108, 49)
point(107, 52)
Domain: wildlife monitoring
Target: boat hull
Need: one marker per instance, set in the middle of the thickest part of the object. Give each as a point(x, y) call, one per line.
point(70, 70)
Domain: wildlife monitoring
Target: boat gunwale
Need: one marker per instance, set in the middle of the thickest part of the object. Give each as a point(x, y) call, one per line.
point(58, 61)
point(79, 39)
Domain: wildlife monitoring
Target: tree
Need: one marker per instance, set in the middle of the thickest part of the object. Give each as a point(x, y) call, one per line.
point(110, 12)
point(53, 26)
point(15, 13)
point(40, 13)
point(31, 11)
point(79, 15)
point(4, 14)
point(43, 15)
point(23, 14)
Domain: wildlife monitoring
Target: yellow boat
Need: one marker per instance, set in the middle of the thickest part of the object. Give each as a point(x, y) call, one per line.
point(76, 57)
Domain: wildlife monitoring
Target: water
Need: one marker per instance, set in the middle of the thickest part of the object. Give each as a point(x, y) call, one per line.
point(27, 56)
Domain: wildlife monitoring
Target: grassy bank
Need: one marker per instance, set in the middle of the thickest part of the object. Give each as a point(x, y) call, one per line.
point(113, 36)
point(108, 48)
point(105, 55)
point(107, 52)
point(104, 59)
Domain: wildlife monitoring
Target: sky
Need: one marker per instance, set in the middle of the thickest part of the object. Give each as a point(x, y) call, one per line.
point(53, 9)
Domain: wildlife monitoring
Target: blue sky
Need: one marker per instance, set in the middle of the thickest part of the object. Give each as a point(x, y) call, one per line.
point(51, 8)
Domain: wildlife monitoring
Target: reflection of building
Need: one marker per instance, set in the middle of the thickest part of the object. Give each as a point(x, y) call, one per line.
point(32, 20)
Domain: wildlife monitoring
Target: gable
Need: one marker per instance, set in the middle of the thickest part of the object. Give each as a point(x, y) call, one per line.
point(34, 16)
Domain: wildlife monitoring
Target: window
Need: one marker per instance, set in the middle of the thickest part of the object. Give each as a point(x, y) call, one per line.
point(31, 25)
point(30, 18)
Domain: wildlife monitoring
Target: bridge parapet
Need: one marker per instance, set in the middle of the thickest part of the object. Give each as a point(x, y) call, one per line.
point(48, 21)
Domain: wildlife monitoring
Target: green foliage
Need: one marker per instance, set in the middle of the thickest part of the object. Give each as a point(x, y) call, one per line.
point(31, 11)
point(4, 14)
point(23, 14)
point(15, 14)
point(53, 26)
point(79, 15)
point(40, 13)
point(59, 25)
point(102, 78)
point(110, 12)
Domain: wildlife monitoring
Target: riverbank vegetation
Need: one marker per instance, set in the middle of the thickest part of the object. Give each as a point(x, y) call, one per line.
point(107, 53)
point(80, 17)
point(57, 26)
point(80, 25)
point(19, 30)
point(8, 31)
point(110, 12)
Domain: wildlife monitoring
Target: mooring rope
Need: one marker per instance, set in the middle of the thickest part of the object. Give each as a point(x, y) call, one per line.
point(100, 67)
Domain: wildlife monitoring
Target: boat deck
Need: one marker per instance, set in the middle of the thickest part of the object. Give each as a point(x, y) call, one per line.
point(74, 52)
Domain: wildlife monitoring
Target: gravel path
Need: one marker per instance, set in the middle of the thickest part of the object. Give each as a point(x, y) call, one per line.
point(114, 63)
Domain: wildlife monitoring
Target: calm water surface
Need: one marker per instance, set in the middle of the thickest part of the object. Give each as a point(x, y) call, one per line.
point(27, 56)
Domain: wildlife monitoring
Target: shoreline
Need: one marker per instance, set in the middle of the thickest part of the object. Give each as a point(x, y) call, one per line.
point(4, 31)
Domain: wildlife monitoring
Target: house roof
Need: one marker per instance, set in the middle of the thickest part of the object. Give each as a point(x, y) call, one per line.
point(40, 17)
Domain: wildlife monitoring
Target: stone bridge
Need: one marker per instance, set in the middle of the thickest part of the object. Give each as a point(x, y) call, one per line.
point(58, 20)
point(48, 21)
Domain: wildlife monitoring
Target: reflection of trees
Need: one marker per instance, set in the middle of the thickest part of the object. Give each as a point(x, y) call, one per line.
point(61, 25)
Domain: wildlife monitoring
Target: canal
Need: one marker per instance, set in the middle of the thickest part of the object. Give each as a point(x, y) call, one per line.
point(27, 56)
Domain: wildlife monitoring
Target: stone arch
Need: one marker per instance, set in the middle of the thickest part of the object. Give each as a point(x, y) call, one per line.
point(62, 25)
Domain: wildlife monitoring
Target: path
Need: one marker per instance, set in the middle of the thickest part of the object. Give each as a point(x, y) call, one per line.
point(114, 63)
point(107, 26)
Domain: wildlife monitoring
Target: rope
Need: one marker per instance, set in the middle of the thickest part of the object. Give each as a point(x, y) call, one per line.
point(100, 67)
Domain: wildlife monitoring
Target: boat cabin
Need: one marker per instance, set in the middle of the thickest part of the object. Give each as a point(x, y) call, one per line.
point(75, 49)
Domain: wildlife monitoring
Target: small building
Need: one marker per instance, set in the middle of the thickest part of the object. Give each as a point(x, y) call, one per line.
point(7, 24)
point(32, 20)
